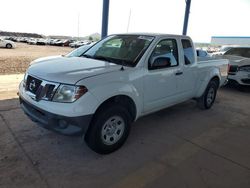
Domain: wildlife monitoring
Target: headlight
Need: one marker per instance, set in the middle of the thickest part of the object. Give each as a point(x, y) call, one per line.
point(25, 80)
point(69, 93)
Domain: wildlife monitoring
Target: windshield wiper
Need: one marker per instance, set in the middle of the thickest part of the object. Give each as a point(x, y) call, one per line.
point(87, 56)
point(113, 60)
point(103, 58)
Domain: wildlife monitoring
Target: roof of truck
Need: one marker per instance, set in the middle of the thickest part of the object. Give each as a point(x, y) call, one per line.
point(154, 34)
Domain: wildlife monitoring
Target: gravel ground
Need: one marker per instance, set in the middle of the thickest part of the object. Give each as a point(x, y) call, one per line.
point(13, 61)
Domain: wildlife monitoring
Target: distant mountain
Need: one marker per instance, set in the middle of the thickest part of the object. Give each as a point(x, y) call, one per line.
point(59, 37)
point(18, 34)
point(93, 37)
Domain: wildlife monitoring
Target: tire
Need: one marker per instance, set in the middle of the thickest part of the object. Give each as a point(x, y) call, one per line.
point(8, 45)
point(241, 88)
point(109, 129)
point(206, 101)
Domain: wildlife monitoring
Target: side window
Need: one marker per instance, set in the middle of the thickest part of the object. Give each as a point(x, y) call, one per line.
point(188, 51)
point(201, 53)
point(164, 55)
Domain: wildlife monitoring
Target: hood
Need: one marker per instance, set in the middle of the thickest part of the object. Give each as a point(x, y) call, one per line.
point(42, 59)
point(9, 41)
point(70, 70)
point(237, 60)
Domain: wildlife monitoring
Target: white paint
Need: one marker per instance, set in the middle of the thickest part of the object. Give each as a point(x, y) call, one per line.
point(151, 90)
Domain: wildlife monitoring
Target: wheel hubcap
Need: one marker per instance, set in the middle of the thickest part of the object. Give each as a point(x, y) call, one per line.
point(112, 130)
point(210, 96)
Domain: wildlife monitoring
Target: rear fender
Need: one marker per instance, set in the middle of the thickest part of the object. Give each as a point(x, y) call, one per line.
point(203, 82)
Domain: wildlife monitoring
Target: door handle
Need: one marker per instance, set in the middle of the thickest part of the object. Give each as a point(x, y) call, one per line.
point(178, 73)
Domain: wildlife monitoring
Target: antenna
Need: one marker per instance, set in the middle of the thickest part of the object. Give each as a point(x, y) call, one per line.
point(129, 20)
point(78, 25)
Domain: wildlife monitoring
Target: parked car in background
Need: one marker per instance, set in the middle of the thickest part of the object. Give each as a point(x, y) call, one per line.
point(79, 43)
point(32, 41)
point(23, 39)
point(63, 42)
point(54, 41)
point(239, 65)
point(75, 53)
point(79, 51)
point(222, 50)
point(118, 80)
point(73, 44)
point(7, 43)
point(202, 53)
point(212, 49)
point(41, 42)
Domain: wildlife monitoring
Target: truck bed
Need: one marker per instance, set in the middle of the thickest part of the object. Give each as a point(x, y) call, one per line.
point(207, 63)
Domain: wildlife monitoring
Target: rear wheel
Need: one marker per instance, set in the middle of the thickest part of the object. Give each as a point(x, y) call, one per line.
point(241, 88)
point(109, 129)
point(206, 101)
point(8, 45)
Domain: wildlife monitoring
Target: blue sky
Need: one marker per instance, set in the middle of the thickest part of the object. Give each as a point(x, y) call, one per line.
point(60, 17)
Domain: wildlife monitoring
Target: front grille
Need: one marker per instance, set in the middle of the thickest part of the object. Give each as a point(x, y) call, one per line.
point(32, 84)
point(233, 68)
point(245, 68)
point(246, 81)
point(38, 89)
point(49, 94)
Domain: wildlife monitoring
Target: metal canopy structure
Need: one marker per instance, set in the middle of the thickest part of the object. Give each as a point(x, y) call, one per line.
point(187, 11)
point(105, 16)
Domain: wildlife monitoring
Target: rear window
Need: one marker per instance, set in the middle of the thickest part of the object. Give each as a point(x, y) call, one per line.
point(188, 51)
point(243, 52)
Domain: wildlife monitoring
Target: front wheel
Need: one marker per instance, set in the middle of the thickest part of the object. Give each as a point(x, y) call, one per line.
point(8, 46)
point(206, 101)
point(109, 129)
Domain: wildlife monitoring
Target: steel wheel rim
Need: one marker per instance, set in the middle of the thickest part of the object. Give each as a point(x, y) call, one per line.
point(210, 96)
point(112, 130)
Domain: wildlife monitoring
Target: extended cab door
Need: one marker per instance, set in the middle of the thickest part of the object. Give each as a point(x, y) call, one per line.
point(186, 81)
point(160, 84)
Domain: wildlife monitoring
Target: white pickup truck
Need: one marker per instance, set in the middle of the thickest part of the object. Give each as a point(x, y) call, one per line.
point(116, 81)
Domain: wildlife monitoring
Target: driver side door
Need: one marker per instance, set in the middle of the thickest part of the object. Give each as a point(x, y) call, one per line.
point(160, 86)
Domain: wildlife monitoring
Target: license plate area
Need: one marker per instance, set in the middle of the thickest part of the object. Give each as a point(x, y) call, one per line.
point(32, 84)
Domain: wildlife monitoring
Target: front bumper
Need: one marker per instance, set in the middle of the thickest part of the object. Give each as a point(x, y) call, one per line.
point(241, 77)
point(62, 124)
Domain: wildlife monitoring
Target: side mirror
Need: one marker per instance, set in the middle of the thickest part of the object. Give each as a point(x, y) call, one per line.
point(160, 62)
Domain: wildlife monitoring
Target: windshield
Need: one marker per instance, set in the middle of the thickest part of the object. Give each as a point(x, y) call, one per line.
point(79, 51)
point(225, 48)
point(120, 49)
point(243, 52)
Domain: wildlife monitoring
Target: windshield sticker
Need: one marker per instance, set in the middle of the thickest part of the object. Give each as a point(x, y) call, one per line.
point(148, 38)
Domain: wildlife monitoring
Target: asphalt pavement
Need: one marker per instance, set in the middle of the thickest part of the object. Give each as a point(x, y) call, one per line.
point(181, 146)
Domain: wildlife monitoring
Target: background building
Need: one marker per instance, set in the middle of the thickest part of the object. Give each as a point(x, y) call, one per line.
point(230, 40)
